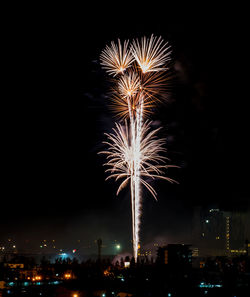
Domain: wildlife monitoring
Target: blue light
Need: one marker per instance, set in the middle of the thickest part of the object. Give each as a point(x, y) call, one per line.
point(208, 285)
point(122, 279)
point(169, 294)
point(63, 255)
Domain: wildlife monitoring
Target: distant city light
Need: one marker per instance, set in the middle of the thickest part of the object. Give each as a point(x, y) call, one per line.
point(214, 210)
point(118, 246)
point(126, 264)
point(63, 255)
point(207, 221)
point(67, 275)
point(208, 285)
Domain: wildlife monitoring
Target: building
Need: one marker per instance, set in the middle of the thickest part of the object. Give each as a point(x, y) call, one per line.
point(216, 232)
point(175, 255)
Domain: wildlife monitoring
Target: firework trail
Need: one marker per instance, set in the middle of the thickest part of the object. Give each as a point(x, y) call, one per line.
point(134, 152)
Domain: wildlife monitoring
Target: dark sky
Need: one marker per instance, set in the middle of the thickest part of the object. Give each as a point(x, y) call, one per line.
point(55, 114)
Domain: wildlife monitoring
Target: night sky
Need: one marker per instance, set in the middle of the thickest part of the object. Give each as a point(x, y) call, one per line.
point(55, 115)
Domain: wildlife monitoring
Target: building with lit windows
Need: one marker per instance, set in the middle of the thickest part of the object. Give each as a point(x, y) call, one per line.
point(217, 232)
point(175, 255)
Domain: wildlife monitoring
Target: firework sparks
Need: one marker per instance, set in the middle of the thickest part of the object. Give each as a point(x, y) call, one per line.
point(135, 154)
point(116, 59)
point(151, 54)
point(155, 86)
point(125, 107)
point(123, 156)
point(136, 160)
point(129, 84)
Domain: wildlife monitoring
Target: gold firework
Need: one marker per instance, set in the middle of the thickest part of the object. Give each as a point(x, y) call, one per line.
point(129, 84)
point(151, 54)
point(125, 107)
point(115, 59)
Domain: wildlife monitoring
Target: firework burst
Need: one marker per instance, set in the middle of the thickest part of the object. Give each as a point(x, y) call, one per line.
point(115, 59)
point(129, 84)
point(151, 54)
point(122, 156)
point(135, 155)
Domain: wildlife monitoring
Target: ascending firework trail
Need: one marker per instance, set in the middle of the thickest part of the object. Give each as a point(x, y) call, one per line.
point(140, 73)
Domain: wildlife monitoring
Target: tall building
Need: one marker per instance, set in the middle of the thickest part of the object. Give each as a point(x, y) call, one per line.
point(237, 231)
point(209, 231)
point(216, 232)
